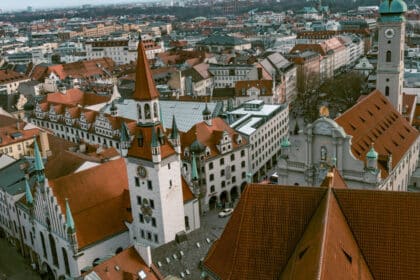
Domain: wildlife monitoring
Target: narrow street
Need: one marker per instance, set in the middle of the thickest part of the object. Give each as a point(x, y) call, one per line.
point(12, 265)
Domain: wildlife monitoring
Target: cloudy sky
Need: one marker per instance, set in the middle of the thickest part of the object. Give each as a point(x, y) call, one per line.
point(8, 5)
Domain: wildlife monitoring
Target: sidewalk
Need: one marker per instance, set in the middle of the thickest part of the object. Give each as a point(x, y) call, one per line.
point(12, 265)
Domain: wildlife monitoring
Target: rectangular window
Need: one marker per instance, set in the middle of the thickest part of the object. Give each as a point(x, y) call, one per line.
point(211, 177)
point(138, 200)
point(222, 161)
point(141, 218)
point(152, 203)
point(211, 165)
point(149, 236)
point(142, 233)
point(169, 166)
point(149, 185)
point(137, 181)
point(170, 183)
point(156, 238)
point(154, 222)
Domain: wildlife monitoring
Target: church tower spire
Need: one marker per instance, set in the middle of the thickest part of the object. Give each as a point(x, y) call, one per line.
point(145, 92)
point(390, 69)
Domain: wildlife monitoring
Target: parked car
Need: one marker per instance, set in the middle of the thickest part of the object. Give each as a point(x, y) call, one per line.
point(225, 212)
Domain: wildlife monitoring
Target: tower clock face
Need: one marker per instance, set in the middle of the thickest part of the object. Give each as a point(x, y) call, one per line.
point(389, 33)
point(141, 171)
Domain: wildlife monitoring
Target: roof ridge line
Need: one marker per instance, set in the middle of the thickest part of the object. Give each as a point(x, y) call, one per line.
point(240, 227)
point(321, 257)
point(351, 229)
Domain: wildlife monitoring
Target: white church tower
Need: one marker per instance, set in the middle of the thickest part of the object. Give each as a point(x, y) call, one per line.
point(390, 69)
point(154, 167)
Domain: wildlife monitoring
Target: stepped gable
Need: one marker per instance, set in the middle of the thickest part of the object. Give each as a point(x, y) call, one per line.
point(99, 200)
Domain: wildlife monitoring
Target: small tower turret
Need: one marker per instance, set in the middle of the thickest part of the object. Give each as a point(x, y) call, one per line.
point(71, 228)
point(372, 159)
point(207, 115)
point(125, 142)
point(113, 110)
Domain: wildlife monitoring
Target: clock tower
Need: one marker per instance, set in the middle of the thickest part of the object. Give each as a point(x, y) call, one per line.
point(391, 38)
point(153, 167)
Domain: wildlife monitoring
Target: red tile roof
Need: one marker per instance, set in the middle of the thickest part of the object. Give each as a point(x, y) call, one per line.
point(210, 135)
point(129, 264)
point(265, 87)
point(282, 232)
point(98, 198)
point(186, 192)
point(145, 88)
point(76, 97)
point(374, 120)
point(334, 179)
point(8, 128)
point(145, 151)
point(10, 76)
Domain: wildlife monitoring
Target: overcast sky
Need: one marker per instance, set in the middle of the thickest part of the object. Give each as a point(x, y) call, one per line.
point(8, 5)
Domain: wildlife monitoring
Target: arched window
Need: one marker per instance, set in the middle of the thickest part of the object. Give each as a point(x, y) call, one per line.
point(44, 250)
point(119, 250)
point(386, 91)
point(66, 261)
point(53, 250)
point(155, 110)
point(388, 56)
point(147, 111)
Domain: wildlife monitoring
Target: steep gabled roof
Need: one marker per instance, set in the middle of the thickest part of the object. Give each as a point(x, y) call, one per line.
point(129, 264)
point(374, 120)
point(145, 88)
point(285, 232)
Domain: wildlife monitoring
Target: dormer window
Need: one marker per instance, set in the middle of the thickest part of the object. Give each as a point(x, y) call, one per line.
point(186, 153)
point(207, 151)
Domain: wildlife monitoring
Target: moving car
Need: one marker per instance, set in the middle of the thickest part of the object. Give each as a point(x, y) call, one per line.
point(225, 212)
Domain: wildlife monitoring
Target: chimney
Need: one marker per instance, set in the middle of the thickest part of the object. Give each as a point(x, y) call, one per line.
point(45, 144)
point(144, 252)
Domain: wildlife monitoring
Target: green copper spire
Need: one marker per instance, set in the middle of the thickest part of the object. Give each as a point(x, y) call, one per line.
point(125, 136)
point(69, 218)
point(155, 142)
point(39, 164)
point(174, 132)
point(161, 117)
point(372, 153)
point(28, 194)
point(194, 172)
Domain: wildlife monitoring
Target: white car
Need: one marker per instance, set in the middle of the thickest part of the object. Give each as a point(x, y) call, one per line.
point(225, 212)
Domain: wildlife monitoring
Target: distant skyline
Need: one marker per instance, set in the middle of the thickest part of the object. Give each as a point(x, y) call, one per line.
point(8, 5)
